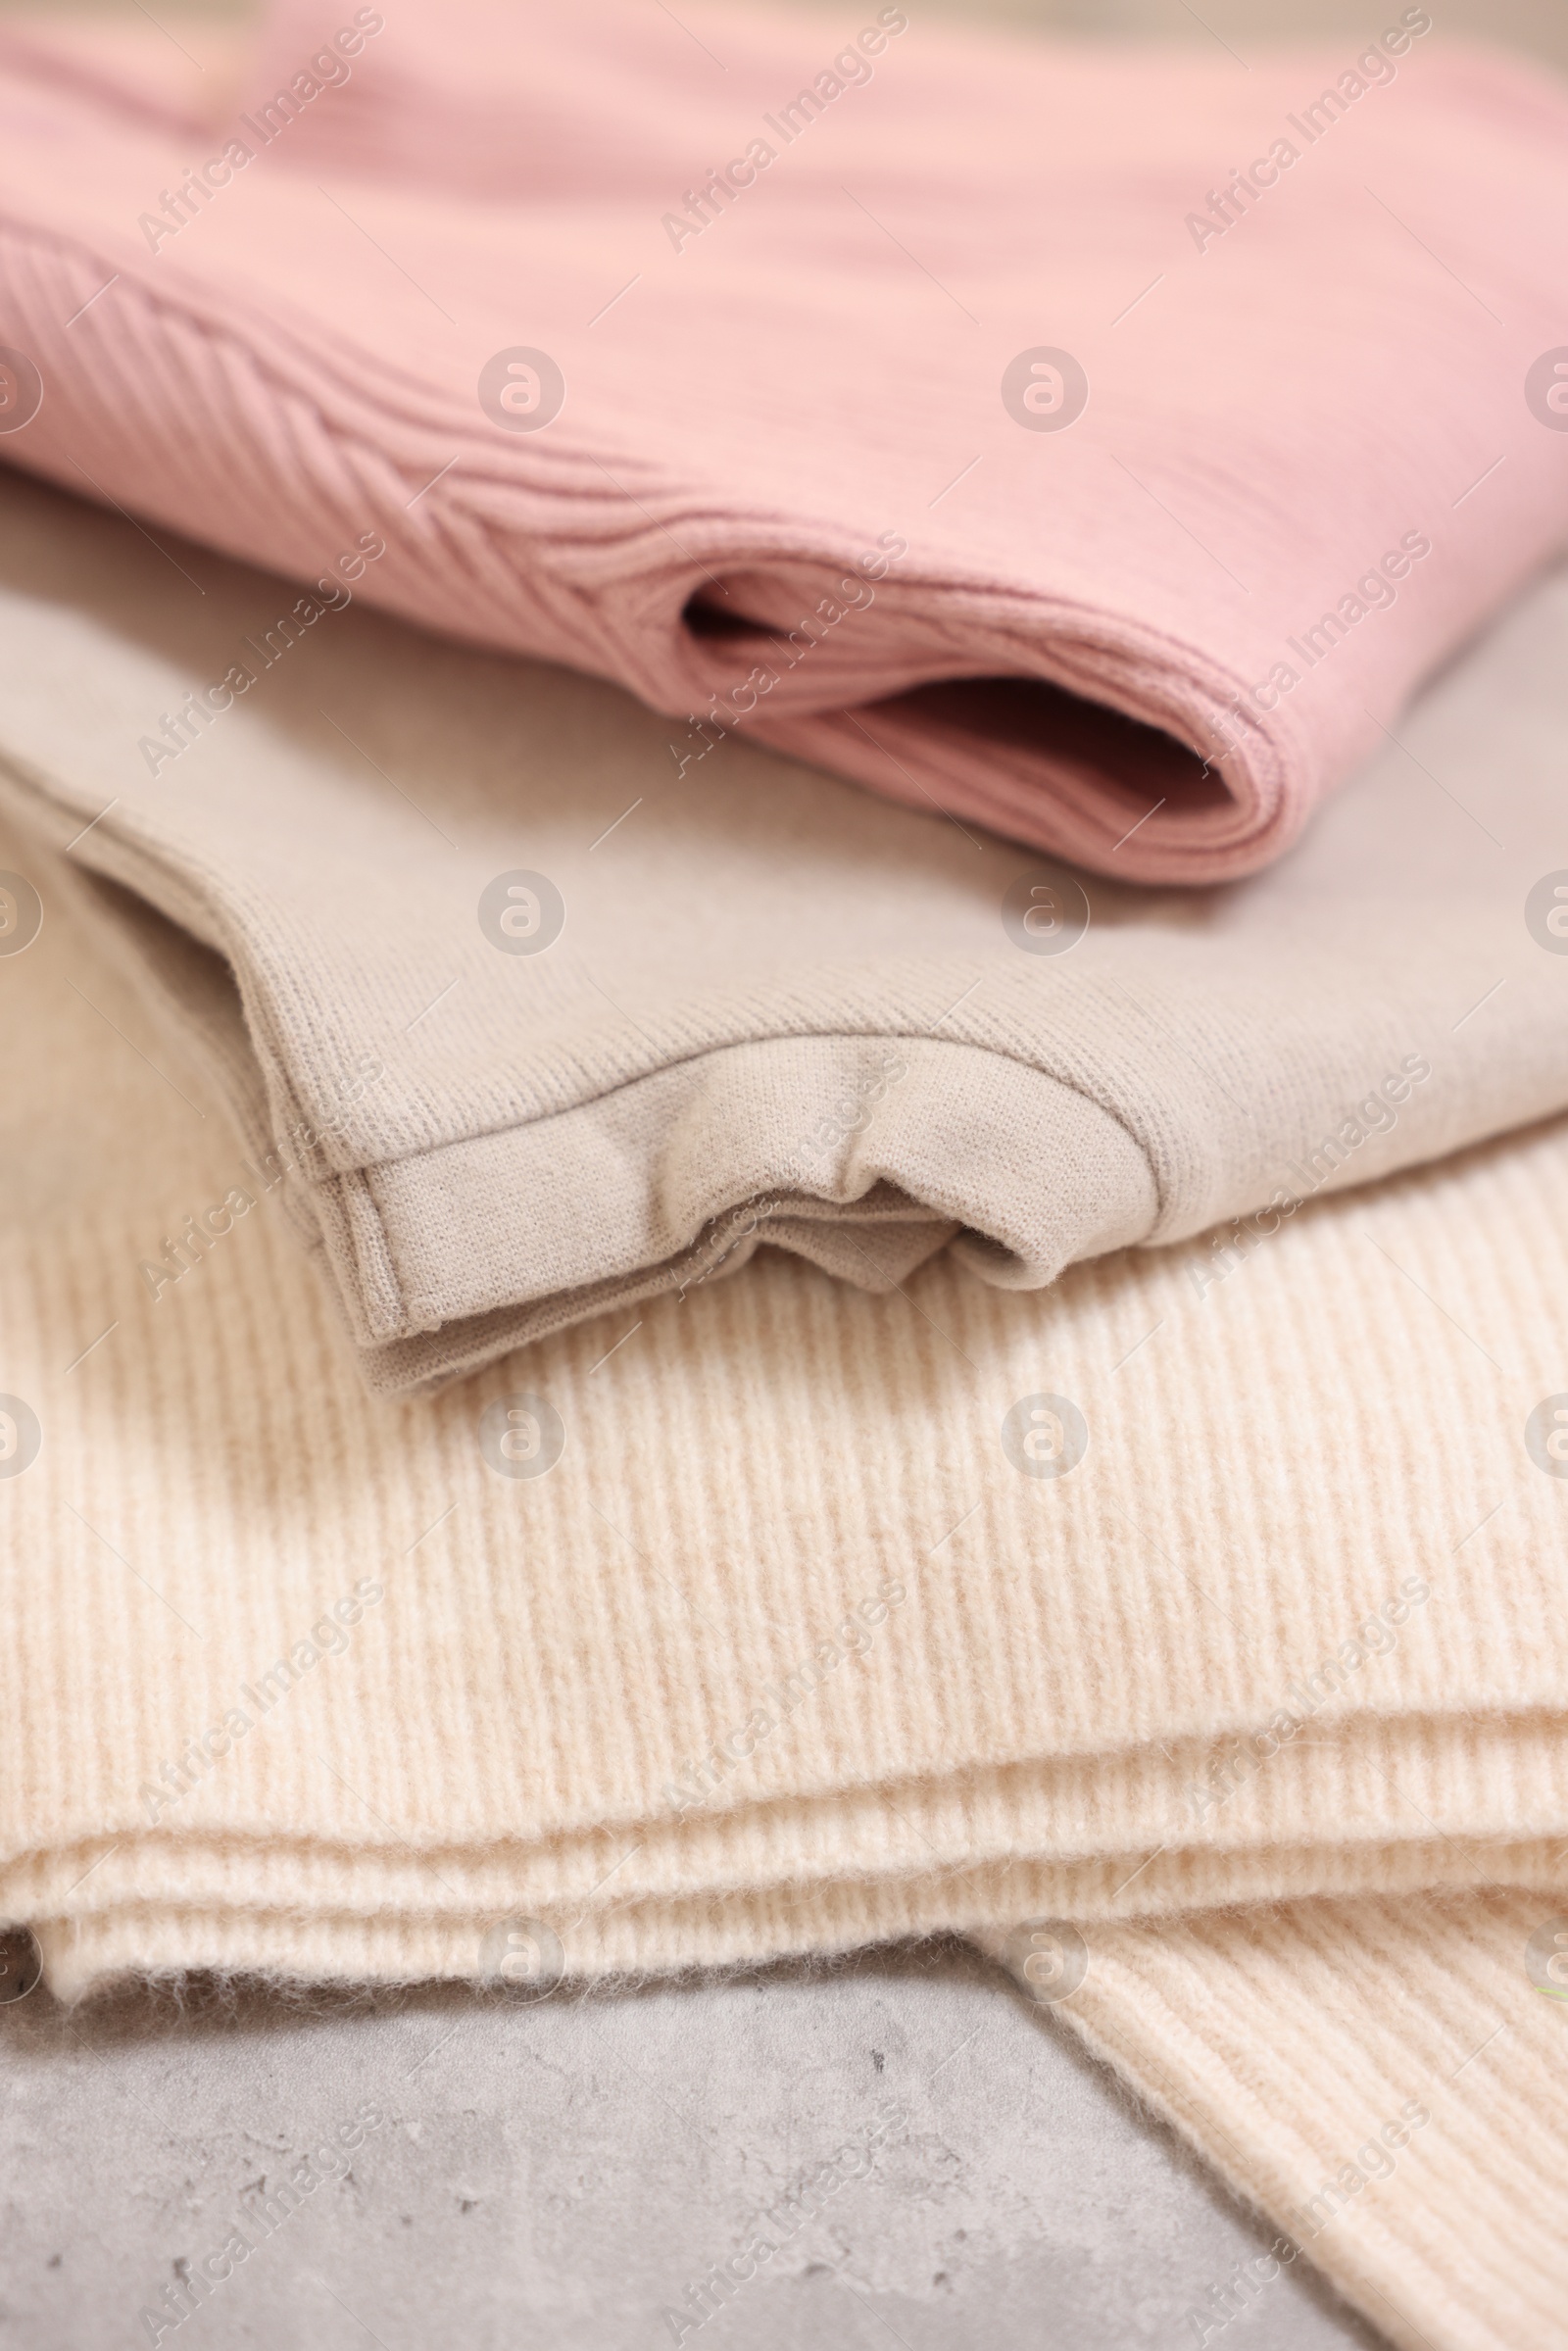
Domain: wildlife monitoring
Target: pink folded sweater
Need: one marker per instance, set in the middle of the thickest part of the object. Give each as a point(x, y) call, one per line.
point(1093, 445)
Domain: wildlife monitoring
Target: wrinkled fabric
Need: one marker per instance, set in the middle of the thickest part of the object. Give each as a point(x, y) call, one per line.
point(990, 443)
point(1202, 1649)
point(528, 1028)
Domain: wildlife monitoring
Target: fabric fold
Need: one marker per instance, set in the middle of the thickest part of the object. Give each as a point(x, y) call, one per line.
point(528, 1029)
point(1377, 2077)
point(797, 446)
point(769, 1636)
point(782, 1619)
point(1192, 1635)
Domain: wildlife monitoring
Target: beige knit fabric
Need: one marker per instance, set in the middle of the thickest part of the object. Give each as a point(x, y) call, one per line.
point(1381, 2079)
point(774, 1010)
point(573, 1709)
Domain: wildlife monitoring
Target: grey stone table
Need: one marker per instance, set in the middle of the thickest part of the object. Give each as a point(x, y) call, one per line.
point(504, 2173)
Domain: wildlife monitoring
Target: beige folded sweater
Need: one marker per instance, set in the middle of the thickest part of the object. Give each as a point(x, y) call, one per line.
point(1199, 1621)
point(550, 1020)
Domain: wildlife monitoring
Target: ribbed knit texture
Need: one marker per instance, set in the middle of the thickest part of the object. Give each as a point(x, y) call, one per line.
point(774, 1010)
point(786, 474)
point(1297, 2046)
point(1051, 1721)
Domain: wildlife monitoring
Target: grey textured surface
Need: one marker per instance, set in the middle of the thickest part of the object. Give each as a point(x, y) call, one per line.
point(560, 2172)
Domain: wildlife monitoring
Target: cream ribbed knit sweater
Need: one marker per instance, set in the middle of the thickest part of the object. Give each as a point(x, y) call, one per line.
point(1263, 1697)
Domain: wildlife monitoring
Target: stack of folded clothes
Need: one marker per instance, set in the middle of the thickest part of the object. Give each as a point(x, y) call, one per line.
point(617, 1354)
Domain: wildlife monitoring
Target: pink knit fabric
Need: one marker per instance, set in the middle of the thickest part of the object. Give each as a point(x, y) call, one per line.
point(820, 468)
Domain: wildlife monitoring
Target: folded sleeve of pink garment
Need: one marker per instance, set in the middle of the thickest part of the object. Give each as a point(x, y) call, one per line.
point(1096, 445)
